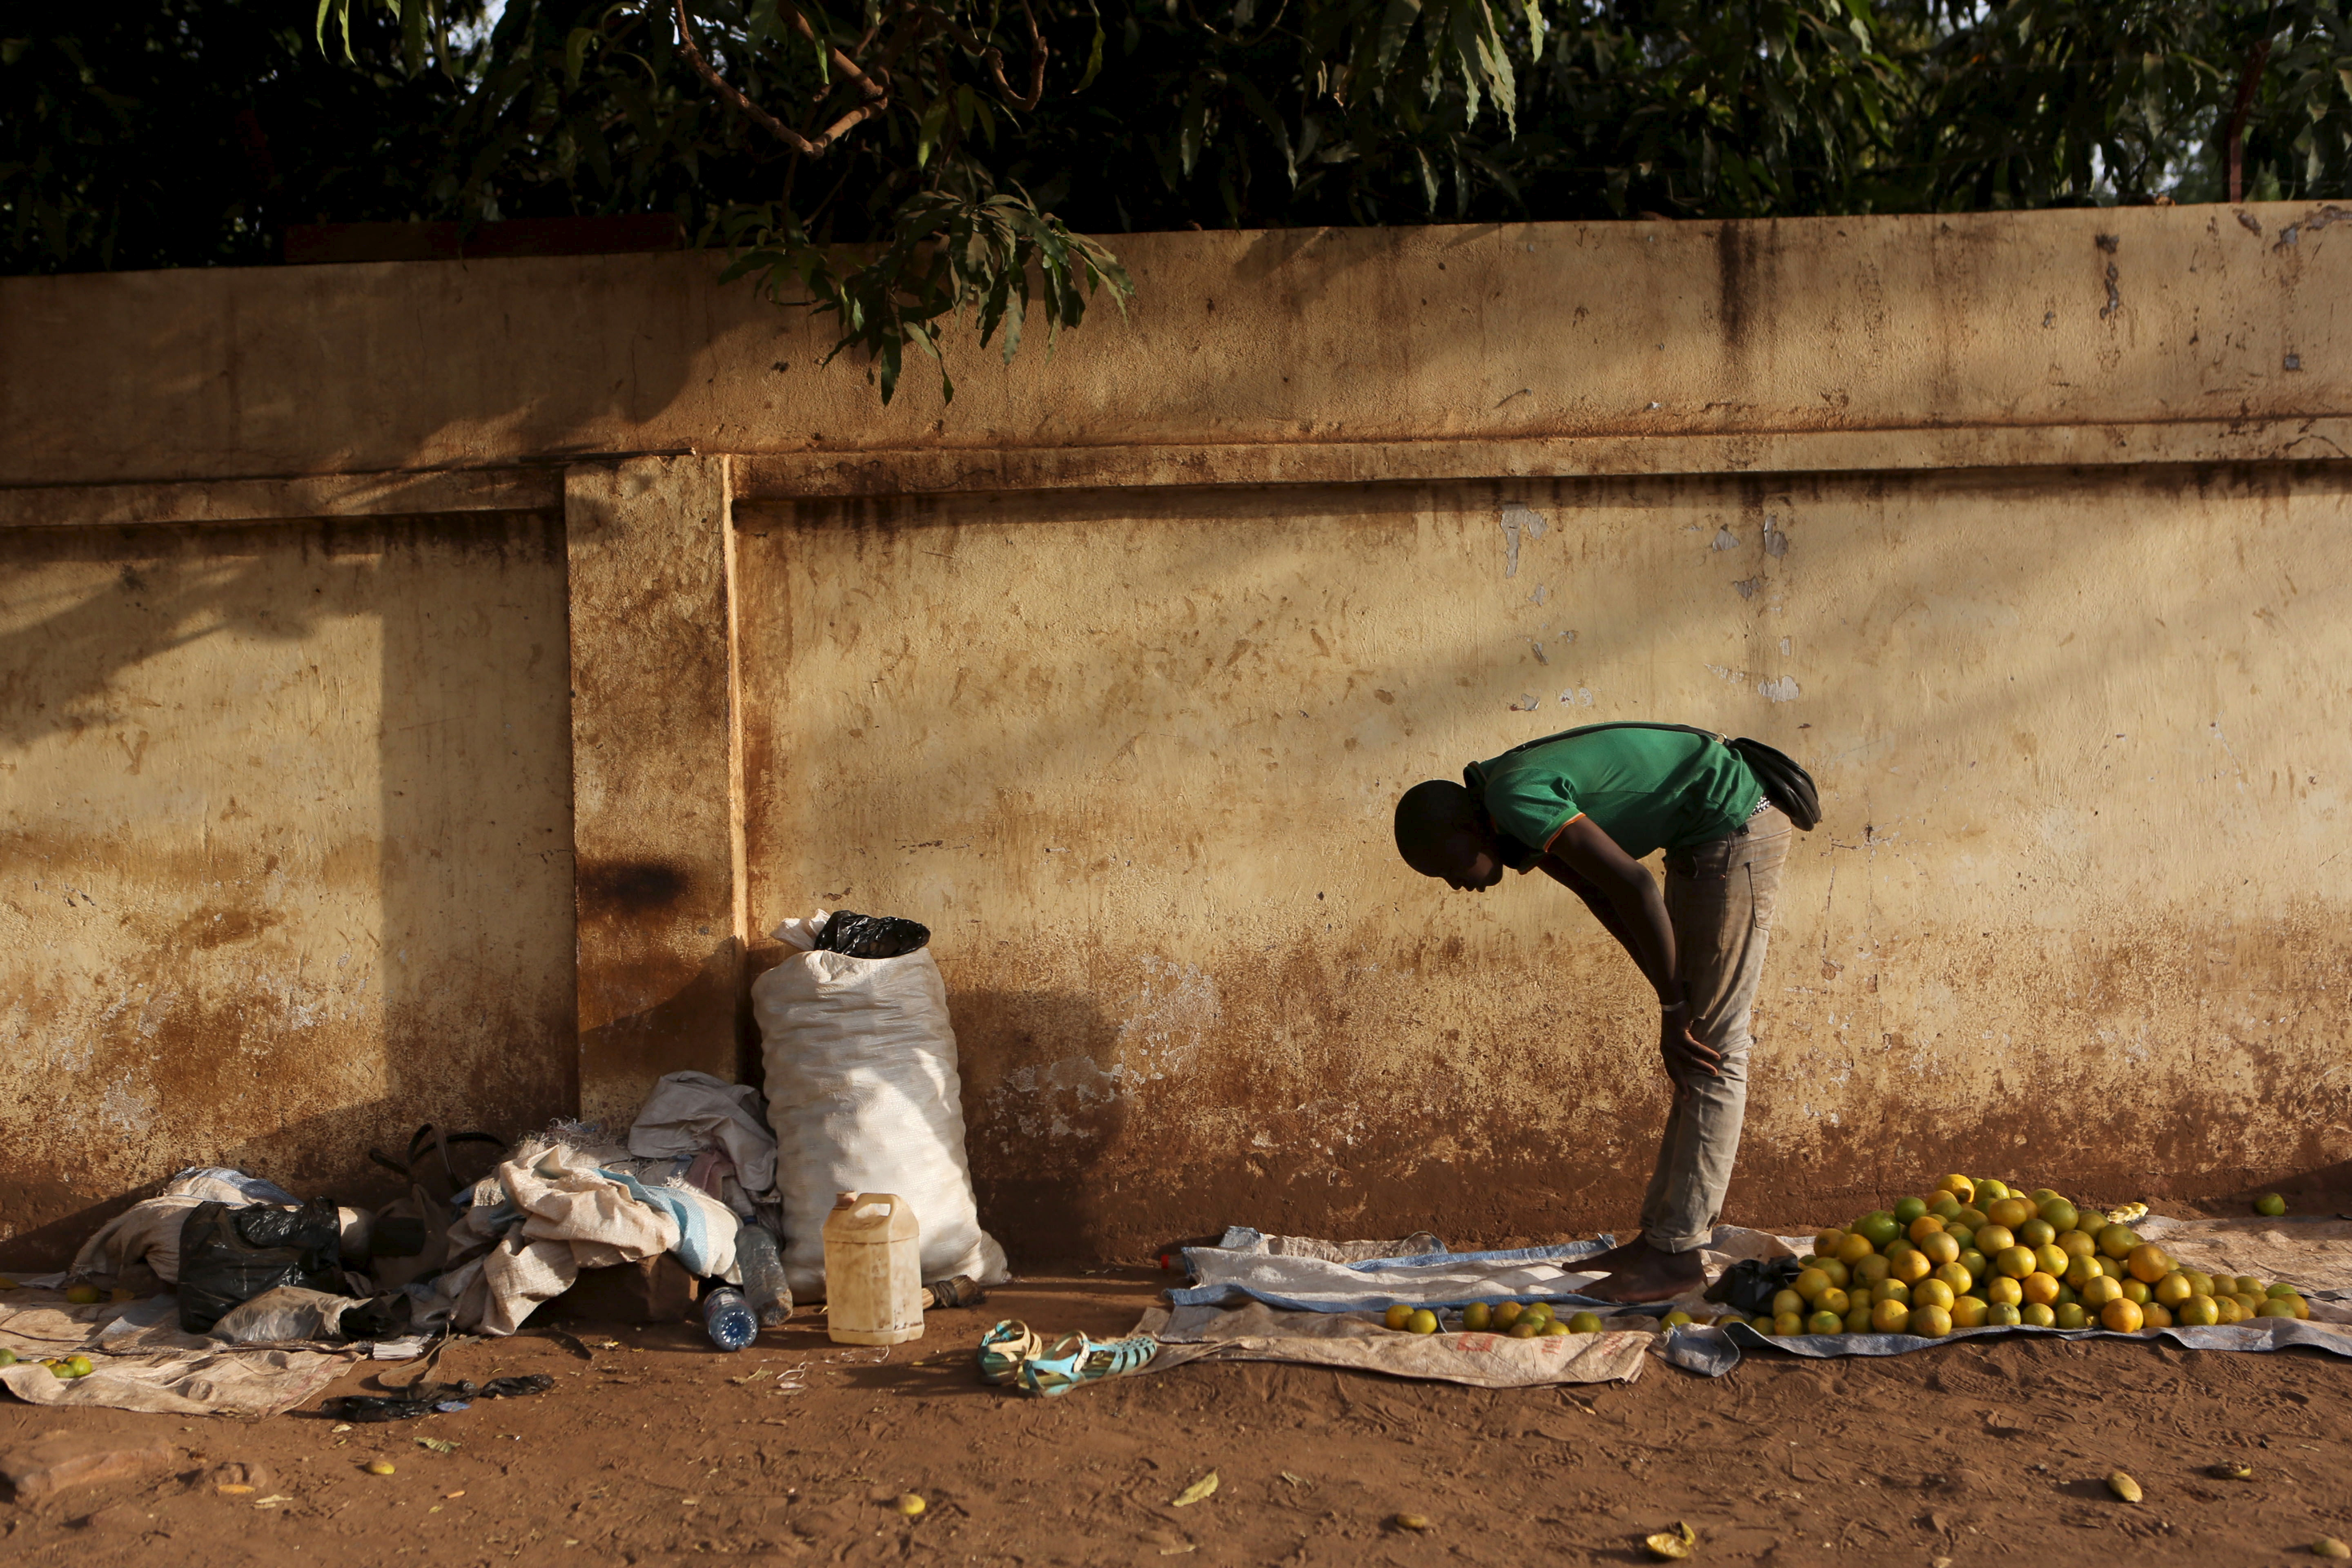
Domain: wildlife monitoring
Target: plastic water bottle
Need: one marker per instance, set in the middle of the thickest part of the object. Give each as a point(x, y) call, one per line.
point(726, 1319)
point(763, 1275)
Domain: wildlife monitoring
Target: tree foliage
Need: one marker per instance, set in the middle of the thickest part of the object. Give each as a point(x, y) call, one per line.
point(905, 165)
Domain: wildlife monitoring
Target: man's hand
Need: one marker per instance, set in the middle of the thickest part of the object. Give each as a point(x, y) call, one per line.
point(1687, 1058)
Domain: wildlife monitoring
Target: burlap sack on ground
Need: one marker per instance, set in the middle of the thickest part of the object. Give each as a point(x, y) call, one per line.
point(1259, 1332)
point(2312, 1254)
point(142, 1360)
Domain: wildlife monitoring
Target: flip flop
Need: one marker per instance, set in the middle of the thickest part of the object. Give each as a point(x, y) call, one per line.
point(1075, 1359)
point(1005, 1349)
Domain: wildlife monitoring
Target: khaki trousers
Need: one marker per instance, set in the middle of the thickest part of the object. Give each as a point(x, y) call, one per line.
point(1721, 898)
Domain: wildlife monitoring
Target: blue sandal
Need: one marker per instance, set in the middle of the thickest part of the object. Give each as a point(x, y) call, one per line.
point(1075, 1359)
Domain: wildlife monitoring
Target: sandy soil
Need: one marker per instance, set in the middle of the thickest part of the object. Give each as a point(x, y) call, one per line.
point(663, 1450)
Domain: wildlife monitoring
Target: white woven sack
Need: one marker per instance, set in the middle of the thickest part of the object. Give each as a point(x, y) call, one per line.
point(863, 1095)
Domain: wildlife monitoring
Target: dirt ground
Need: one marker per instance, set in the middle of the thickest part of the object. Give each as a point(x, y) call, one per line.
point(663, 1450)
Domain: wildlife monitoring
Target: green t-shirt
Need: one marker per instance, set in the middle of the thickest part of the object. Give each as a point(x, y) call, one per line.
point(1647, 787)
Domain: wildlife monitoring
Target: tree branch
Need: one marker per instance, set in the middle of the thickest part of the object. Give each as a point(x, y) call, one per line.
point(2248, 80)
point(877, 97)
point(994, 57)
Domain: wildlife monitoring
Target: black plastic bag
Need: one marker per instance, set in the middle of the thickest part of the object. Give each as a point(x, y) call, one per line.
point(870, 936)
point(1750, 1284)
point(230, 1253)
point(425, 1398)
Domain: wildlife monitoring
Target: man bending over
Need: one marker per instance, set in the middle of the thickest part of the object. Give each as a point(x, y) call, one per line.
point(1585, 807)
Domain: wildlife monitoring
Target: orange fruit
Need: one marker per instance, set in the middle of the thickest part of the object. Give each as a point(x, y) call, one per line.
point(2040, 1288)
point(2117, 1241)
point(1810, 1283)
point(2147, 1263)
point(2036, 1233)
point(1926, 1226)
point(1932, 1293)
point(2017, 1262)
point(1969, 1312)
point(2037, 1315)
point(1857, 1319)
point(1959, 1187)
point(1834, 1300)
point(2074, 1242)
point(1854, 1249)
point(1890, 1318)
point(1825, 1242)
point(1870, 1271)
point(2274, 1306)
point(1940, 1248)
point(2197, 1311)
point(1787, 1324)
point(2136, 1291)
point(1934, 1322)
point(2173, 1289)
point(2067, 1315)
point(1398, 1315)
point(2198, 1284)
point(2156, 1315)
point(2003, 1315)
point(2053, 1259)
point(2123, 1317)
point(2060, 1214)
point(1840, 1275)
point(2010, 1212)
point(1992, 1240)
point(1825, 1323)
point(1890, 1290)
point(1956, 1275)
point(1912, 1267)
point(1788, 1302)
point(2099, 1292)
point(2226, 1310)
point(2003, 1290)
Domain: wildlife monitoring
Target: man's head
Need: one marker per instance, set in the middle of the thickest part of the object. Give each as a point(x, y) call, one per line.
point(1442, 831)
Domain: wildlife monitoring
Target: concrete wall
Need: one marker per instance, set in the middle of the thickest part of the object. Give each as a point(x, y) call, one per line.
point(286, 837)
point(2021, 530)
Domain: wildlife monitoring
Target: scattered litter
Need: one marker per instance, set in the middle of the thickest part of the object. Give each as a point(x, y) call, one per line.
point(1411, 1522)
point(438, 1445)
point(2328, 1546)
point(378, 1467)
point(277, 1502)
point(233, 1489)
point(1294, 1480)
point(343, 1426)
point(1672, 1545)
point(451, 1406)
point(452, 1497)
point(1204, 1488)
point(909, 1504)
point(2123, 1487)
point(2232, 1472)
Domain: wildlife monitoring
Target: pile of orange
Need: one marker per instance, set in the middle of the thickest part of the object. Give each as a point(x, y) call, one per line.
point(1980, 1252)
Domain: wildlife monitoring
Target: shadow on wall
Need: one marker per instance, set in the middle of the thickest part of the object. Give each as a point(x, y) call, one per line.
point(288, 814)
point(1032, 1082)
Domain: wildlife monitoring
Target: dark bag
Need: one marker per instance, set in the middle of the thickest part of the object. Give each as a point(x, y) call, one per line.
point(230, 1253)
point(870, 936)
point(1750, 1284)
point(1786, 784)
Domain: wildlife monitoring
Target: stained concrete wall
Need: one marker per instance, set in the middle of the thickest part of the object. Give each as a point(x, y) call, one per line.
point(2020, 530)
point(2070, 915)
point(285, 851)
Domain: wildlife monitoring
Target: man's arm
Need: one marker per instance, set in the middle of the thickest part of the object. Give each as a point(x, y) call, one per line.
point(1624, 897)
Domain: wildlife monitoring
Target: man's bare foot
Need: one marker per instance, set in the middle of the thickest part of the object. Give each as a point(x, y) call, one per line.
point(1650, 1275)
point(1621, 1256)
